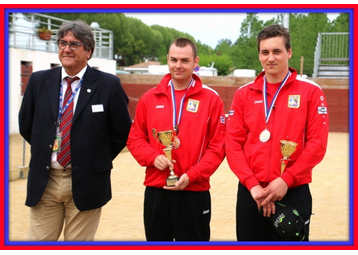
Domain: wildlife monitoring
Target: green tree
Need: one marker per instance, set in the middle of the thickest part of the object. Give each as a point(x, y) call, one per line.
point(223, 47)
point(158, 48)
point(166, 35)
point(223, 63)
point(341, 23)
point(203, 48)
point(143, 35)
point(304, 31)
point(134, 40)
point(133, 52)
point(244, 51)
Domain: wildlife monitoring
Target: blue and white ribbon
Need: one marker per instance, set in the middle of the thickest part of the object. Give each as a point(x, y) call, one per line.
point(269, 110)
point(177, 119)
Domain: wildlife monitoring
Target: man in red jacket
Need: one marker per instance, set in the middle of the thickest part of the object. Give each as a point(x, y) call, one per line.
point(277, 132)
point(193, 115)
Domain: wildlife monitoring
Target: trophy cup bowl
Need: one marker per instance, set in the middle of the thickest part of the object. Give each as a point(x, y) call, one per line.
point(287, 149)
point(168, 139)
point(164, 137)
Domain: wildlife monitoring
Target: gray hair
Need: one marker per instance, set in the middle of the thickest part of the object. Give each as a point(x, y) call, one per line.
point(81, 30)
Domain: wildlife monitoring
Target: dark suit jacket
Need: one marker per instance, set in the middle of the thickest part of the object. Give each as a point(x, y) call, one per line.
point(96, 137)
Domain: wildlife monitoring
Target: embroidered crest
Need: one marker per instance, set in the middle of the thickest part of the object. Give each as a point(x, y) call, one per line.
point(294, 101)
point(193, 105)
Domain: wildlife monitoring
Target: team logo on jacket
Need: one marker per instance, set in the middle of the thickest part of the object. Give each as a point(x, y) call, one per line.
point(294, 101)
point(193, 105)
point(322, 110)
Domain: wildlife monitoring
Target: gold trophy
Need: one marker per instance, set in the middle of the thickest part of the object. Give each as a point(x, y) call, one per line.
point(287, 148)
point(170, 141)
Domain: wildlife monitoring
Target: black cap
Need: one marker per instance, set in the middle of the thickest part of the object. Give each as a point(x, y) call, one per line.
point(288, 223)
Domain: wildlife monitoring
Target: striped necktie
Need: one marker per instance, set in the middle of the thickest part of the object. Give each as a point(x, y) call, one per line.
point(64, 155)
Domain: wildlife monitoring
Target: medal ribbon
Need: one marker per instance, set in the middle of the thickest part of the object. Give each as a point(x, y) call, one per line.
point(62, 108)
point(176, 120)
point(269, 110)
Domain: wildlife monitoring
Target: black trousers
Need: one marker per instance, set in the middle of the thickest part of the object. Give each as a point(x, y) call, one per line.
point(252, 226)
point(176, 215)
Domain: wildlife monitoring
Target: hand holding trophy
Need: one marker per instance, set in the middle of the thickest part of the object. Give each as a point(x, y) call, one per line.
point(170, 141)
point(287, 149)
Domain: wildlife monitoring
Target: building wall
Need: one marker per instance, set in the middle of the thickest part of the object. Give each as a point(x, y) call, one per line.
point(336, 92)
point(39, 60)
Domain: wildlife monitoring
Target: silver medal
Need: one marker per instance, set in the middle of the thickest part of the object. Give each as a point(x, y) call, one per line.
point(265, 136)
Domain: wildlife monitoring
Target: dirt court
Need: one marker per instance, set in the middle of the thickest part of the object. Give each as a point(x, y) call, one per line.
point(122, 217)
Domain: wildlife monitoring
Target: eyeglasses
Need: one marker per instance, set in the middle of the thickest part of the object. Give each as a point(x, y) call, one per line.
point(73, 45)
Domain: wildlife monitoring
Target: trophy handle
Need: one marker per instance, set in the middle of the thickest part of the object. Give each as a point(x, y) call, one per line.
point(155, 134)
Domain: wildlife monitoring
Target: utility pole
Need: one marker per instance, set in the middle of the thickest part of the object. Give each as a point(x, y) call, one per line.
point(286, 20)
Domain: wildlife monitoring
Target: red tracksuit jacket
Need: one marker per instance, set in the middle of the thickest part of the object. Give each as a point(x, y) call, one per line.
point(201, 133)
point(299, 115)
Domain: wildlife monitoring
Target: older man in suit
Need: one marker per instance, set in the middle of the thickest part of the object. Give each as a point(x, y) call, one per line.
point(74, 137)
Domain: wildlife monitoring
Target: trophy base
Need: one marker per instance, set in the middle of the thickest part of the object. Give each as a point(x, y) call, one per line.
point(172, 180)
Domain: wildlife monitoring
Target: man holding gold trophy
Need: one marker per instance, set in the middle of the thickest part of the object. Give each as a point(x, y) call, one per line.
point(276, 134)
point(178, 134)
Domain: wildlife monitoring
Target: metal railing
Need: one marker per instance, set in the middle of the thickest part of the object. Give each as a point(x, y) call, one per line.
point(23, 34)
point(331, 48)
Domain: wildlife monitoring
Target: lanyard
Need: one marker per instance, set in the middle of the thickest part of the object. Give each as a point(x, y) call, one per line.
point(176, 120)
point(62, 108)
point(269, 110)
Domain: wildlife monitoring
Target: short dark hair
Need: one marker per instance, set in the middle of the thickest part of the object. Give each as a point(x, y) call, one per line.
point(182, 42)
point(81, 30)
point(273, 31)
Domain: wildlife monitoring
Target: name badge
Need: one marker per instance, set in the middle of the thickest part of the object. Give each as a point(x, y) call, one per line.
point(57, 142)
point(97, 108)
